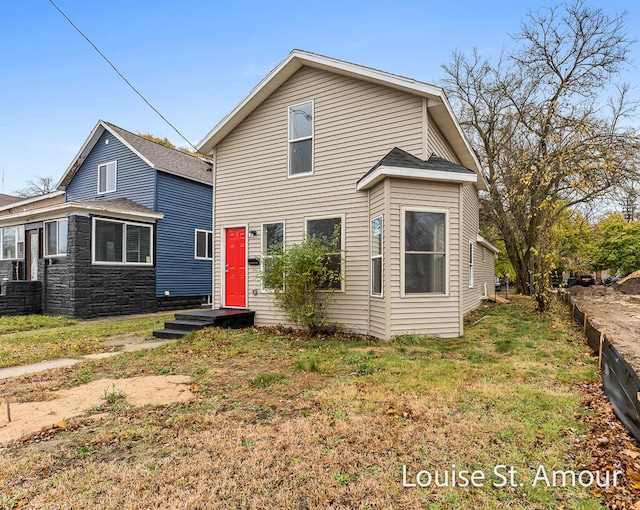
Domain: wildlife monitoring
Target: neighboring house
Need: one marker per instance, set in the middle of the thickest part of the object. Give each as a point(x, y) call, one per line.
point(130, 232)
point(322, 144)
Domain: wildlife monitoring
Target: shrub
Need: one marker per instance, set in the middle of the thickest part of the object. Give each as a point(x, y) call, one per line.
point(303, 279)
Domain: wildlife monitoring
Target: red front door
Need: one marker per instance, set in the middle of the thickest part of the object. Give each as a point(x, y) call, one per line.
point(235, 255)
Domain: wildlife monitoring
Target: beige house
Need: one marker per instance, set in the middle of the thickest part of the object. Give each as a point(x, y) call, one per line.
point(320, 144)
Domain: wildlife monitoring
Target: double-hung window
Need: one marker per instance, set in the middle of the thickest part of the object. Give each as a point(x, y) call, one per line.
point(107, 174)
point(12, 243)
point(376, 256)
point(55, 237)
point(301, 139)
point(272, 243)
point(204, 244)
point(330, 231)
point(120, 242)
point(424, 252)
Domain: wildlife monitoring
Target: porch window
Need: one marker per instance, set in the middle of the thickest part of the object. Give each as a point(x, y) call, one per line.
point(301, 139)
point(329, 230)
point(9, 241)
point(204, 244)
point(376, 256)
point(272, 242)
point(107, 177)
point(119, 242)
point(424, 252)
point(55, 237)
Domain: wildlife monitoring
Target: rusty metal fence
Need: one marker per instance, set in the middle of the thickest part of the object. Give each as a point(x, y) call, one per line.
point(619, 379)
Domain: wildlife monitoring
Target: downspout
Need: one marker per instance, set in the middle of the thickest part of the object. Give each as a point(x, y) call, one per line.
point(460, 259)
point(425, 128)
point(213, 228)
point(369, 261)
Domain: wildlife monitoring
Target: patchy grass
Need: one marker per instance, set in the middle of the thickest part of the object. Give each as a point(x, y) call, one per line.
point(15, 323)
point(65, 338)
point(280, 421)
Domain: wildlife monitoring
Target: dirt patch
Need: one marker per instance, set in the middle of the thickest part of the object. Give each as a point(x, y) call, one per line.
point(615, 311)
point(30, 417)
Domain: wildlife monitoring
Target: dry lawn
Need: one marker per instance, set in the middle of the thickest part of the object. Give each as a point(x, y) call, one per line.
point(280, 421)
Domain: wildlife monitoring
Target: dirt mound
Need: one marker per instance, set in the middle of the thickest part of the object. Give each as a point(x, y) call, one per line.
point(30, 417)
point(629, 284)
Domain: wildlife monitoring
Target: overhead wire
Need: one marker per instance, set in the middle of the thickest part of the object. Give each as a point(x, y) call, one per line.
point(122, 76)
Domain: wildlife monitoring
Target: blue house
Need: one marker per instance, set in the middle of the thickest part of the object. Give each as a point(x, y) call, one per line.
point(133, 234)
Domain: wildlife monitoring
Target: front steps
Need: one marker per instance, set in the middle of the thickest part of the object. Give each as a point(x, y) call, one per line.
point(187, 322)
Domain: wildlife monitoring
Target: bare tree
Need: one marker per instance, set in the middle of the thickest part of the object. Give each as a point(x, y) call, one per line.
point(37, 186)
point(535, 119)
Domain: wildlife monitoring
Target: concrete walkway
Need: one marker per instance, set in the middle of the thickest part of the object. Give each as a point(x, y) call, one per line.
point(128, 344)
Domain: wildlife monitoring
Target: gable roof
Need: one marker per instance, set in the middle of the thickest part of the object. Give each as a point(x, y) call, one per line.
point(438, 104)
point(157, 156)
point(399, 163)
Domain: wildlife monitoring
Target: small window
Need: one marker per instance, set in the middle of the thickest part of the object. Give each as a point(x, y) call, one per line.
point(272, 242)
point(116, 242)
point(424, 252)
point(329, 230)
point(301, 139)
point(484, 254)
point(107, 177)
point(204, 244)
point(55, 237)
point(471, 264)
point(376, 256)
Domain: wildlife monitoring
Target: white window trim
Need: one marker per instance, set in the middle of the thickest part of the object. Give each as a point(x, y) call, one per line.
point(342, 241)
point(17, 241)
point(290, 140)
point(195, 244)
point(124, 243)
point(115, 177)
point(471, 263)
point(58, 254)
point(380, 256)
point(263, 248)
point(431, 295)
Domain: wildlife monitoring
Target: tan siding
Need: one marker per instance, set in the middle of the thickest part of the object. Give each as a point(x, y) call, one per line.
point(486, 270)
point(378, 311)
point(438, 144)
point(471, 297)
point(434, 315)
point(355, 125)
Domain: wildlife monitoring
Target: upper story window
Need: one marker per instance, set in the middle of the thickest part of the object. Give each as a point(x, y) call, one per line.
point(107, 177)
point(55, 237)
point(301, 139)
point(471, 264)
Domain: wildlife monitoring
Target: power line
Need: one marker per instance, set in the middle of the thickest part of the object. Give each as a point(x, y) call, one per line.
point(121, 75)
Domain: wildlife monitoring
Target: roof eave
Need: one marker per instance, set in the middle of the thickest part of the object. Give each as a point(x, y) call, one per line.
point(481, 240)
point(294, 61)
point(382, 172)
point(69, 208)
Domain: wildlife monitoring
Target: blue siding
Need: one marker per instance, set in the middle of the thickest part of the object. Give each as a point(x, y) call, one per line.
point(186, 206)
point(135, 179)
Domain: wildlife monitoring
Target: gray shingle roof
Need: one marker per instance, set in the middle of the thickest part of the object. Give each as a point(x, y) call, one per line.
point(165, 159)
point(402, 159)
point(116, 204)
point(8, 199)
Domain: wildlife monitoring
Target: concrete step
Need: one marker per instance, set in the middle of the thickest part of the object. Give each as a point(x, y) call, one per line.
point(187, 325)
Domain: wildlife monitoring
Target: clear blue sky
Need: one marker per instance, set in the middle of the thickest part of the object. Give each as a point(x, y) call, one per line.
point(195, 60)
